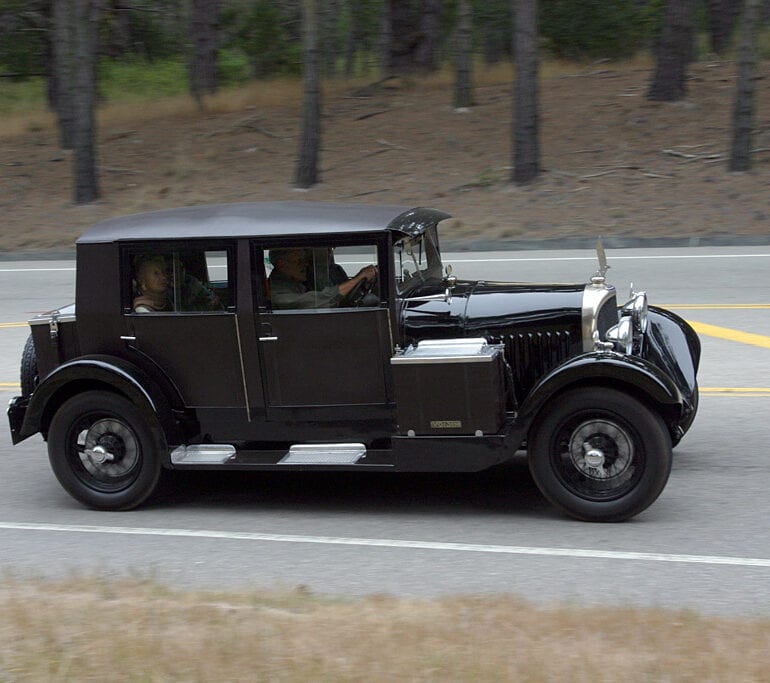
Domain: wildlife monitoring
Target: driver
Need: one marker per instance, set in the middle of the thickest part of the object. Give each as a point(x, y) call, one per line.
point(287, 289)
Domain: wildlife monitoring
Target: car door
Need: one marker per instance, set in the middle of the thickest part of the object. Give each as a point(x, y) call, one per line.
point(324, 358)
point(192, 337)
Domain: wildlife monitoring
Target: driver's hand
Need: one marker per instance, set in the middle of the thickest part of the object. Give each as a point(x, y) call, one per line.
point(369, 272)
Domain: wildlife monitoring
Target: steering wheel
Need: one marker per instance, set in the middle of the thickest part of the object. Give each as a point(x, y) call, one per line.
point(356, 296)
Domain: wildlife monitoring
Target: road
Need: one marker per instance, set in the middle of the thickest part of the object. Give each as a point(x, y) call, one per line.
point(705, 544)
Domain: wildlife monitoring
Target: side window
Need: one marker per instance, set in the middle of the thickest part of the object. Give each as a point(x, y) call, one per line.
point(319, 277)
point(174, 281)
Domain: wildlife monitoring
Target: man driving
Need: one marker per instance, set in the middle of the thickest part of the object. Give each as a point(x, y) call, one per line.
point(290, 272)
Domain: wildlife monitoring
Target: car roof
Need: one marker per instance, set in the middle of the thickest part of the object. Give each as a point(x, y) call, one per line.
point(256, 219)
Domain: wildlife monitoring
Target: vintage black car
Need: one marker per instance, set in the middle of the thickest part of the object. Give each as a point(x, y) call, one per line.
point(307, 335)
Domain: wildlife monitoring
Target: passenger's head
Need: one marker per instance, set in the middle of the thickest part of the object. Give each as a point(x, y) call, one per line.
point(291, 262)
point(151, 275)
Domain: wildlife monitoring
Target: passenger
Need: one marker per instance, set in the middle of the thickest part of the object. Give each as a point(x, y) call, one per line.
point(287, 288)
point(151, 284)
point(195, 296)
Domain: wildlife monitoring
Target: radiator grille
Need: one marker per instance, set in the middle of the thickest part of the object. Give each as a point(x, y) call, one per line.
point(532, 354)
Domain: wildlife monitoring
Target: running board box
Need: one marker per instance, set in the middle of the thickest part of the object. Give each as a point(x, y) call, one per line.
point(449, 387)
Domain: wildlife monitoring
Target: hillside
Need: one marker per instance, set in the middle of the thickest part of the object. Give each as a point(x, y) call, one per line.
point(614, 163)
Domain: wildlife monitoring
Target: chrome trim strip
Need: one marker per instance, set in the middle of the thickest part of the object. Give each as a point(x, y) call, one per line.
point(419, 360)
point(243, 369)
point(46, 319)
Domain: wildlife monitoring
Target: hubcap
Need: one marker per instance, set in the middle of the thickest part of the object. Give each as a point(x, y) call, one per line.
point(107, 449)
point(600, 450)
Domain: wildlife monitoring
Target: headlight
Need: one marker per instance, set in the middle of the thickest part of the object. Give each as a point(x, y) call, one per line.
point(637, 309)
point(628, 334)
point(622, 335)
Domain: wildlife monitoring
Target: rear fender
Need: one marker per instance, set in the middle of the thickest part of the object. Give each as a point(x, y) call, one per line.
point(100, 372)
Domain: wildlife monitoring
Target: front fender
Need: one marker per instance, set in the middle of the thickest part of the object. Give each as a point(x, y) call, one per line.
point(613, 369)
point(94, 372)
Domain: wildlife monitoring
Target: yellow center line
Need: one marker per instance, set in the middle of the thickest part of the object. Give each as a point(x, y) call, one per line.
point(731, 335)
point(4, 325)
point(715, 307)
point(735, 391)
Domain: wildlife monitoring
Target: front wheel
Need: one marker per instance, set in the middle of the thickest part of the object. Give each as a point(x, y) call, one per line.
point(104, 451)
point(600, 455)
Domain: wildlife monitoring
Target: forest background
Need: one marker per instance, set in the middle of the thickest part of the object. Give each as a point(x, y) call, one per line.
point(633, 104)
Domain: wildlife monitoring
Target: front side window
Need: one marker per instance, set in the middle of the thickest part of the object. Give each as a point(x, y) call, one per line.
point(302, 277)
point(174, 281)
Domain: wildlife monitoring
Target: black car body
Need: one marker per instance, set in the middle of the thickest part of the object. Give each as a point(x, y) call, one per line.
point(415, 371)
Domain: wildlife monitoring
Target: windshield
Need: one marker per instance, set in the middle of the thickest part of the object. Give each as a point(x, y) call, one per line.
point(417, 260)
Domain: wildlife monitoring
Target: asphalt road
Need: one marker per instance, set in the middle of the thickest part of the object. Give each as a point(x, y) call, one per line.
point(705, 544)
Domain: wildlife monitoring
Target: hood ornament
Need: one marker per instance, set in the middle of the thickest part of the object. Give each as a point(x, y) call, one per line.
point(598, 278)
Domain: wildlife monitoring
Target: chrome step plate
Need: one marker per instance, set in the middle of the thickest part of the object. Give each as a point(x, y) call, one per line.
point(203, 454)
point(324, 454)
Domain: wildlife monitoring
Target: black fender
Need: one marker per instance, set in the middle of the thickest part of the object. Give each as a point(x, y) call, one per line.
point(94, 372)
point(631, 373)
point(673, 345)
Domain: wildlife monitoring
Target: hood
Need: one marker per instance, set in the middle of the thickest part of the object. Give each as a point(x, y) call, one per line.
point(480, 308)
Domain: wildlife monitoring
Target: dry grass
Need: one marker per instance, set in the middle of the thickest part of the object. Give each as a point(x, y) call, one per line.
point(82, 630)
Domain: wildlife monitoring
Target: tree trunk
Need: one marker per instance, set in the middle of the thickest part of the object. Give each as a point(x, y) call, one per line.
point(721, 22)
point(463, 42)
point(61, 82)
point(674, 52)
point(85, 37)
point(430, 33)
point(354, 35)
point(73, 88)
point(409, 38)
point(330, 11)
point(203, 58)
point(526, 147)
point(307, 173)
point(386, 39)
point(743, 110)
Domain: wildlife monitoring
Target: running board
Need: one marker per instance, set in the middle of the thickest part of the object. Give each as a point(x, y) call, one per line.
point(324, 454)
point(298, 454)
point(203, 454)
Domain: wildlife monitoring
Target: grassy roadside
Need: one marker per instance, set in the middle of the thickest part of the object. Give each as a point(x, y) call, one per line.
point(138, 630)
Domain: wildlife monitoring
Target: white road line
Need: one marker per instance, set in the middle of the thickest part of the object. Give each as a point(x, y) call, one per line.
point(610, 258)
point(393, 543)
point(37, 270)
point(452, 256)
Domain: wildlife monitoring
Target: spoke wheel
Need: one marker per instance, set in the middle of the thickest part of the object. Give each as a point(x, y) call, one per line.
point(600, 455)
point(104, 452)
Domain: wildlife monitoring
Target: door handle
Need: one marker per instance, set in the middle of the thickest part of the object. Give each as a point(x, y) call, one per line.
point(126, 337)
point(268, 339)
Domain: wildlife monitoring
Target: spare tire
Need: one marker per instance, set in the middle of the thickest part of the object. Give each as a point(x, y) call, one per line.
point(29, 378)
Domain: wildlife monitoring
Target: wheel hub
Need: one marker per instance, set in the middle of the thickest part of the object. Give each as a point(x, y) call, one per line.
point(600, 449)
point(108, 449)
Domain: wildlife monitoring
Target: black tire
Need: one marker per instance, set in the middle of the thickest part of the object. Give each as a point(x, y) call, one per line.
point(600, 455)
point(104, 451)
point(29, 378)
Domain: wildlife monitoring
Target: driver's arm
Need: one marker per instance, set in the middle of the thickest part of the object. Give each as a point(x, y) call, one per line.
point(367, 273)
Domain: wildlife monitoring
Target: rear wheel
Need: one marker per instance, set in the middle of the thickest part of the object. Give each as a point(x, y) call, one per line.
point(104, 451)
point(600, 455)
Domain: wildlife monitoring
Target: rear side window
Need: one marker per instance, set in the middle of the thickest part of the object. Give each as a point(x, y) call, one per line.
point(159, 280)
